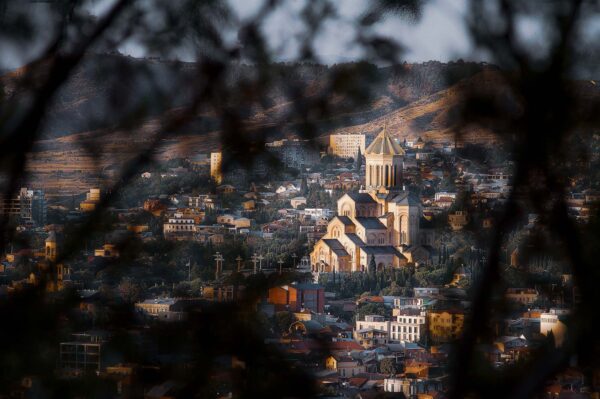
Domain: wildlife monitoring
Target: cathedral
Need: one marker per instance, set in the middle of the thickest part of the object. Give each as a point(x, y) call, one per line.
point(379, 223)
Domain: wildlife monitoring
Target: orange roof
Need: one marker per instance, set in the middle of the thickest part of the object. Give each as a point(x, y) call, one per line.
point(357, 381)
point(344, 345)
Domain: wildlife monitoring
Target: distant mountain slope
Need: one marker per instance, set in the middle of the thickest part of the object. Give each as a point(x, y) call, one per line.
point(435, 117)
point(95, 97)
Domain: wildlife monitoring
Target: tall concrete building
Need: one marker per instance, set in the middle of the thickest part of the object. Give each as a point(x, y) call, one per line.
point(92, 199)
point(28, 206)
point(348, 145)
point(216, 163)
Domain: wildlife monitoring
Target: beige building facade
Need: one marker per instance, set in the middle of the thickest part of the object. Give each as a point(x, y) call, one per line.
point(216, 170)
point(347, 145)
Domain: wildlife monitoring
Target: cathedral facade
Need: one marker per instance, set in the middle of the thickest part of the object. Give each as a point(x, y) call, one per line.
point(374, 224)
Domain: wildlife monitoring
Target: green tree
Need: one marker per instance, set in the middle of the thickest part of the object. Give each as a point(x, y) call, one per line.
point(388, 366)
point(372, 265)
point(358, 162)
point(283, 320)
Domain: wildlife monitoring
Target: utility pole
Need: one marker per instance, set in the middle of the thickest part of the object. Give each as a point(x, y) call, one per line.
point(294, 256)
point(219, 263)
point(239, 263)
point(280, 261)
point(260, 259)
point(255, 261)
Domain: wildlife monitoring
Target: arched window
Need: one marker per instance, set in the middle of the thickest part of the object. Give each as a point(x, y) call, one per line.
point(335, 232)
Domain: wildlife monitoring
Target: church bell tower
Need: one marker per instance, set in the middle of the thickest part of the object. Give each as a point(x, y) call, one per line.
point(384, 161)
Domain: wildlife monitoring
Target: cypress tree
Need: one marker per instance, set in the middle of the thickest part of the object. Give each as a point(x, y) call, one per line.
point(358, 161)
point(372, 265)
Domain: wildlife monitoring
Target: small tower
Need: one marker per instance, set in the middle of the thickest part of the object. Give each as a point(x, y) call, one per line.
point(384, 160)
point(53, 248)
point(51, 253)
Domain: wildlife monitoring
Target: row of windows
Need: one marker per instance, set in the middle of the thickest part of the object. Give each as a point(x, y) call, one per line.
point(414, 320)
point(409, 329)
point(548, 320)
point(406, 337)
point(177, 227)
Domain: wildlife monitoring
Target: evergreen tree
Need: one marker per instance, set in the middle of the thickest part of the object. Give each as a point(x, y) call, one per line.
point(304, 186)
point(388, 366)
point(358, 161)
point(372, 265)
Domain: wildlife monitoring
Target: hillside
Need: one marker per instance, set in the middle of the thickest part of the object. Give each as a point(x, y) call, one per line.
point(80, 145)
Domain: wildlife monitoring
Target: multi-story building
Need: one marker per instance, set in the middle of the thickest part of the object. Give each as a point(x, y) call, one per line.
point(168, 309)
point(92, 199)
point(82, 354)
point(179, 226)
point(107, 251)
point(411, 387)
point(318, 213)
point(153, 307)
point(234, 221)
point(445, 325)
point(216, 163)
point(371, 337)
point(348, 145)
point(373, 322)
point(294, 153)
point(554, 321)
point(523, 296)
point(409, 326)
point(345, 366)
point(406, 326)
point(200, 201)
point(296, 297)
point(29, 206)
point(404, 302)
point(458, 220)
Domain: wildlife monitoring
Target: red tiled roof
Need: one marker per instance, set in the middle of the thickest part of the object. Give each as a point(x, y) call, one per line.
point(357, 381)
point(344, 345)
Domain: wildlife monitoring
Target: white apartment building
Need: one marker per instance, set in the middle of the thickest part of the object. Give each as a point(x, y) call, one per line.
point(373, 321)
point(178, 224)
point(347, 145)
point(553, 321)
point(404, 327)
point(404, 302)
point(153, 307)
point(318, 213)
point(409, 328)
point(444, 194)
point(216, 160)
point(411, 387)
point(198, 201)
